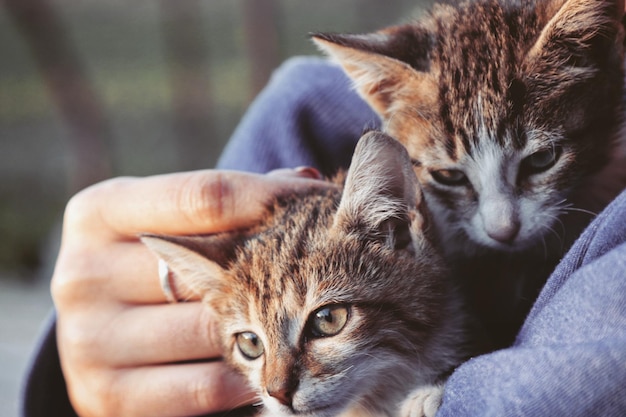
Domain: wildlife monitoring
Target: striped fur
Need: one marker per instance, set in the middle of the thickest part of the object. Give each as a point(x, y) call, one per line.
point(406, 330)
point(490, 90)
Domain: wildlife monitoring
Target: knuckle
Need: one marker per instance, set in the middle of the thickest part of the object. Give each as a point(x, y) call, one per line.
point(205, 201)
point(79, 342)
point(75, 275)
point(83, 263)
point(208, 393)
point(202, 330)
point(202, 395)
point(95, 396)
point(212, 335)
point(68, 272)
point(207, 329)
point(84, 403)
point(84, 207)
point(109, 400)
point(79, 205)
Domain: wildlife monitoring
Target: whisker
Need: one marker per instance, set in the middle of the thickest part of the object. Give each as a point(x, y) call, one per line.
point(579, 210)
point(565, 206)
point(559, 236)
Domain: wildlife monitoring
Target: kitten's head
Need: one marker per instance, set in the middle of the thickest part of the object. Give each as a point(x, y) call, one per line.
point(504, 107)
point(337, 299)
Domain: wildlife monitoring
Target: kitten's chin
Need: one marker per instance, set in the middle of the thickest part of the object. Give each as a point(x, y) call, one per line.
point(476, 245)
point(327, 411)
point(284, 411)
point(275, 409)
point(510, 247)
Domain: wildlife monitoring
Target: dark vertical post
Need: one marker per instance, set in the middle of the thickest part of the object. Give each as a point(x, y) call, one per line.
point(70, 89)
point(262, 40)
point(187, 54)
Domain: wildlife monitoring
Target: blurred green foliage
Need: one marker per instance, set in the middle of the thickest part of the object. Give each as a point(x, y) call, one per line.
point(121, 49)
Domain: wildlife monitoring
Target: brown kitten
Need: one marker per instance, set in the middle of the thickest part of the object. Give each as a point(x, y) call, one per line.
point(511, 112)
point(338, 303)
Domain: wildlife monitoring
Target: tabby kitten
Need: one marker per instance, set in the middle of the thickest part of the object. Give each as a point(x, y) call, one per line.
point(511, 113)
point(337, 304)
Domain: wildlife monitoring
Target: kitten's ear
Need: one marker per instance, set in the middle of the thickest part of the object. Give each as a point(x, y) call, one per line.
point(384, 65)
point(381, 196)
point(198, 262)
point(580, 38)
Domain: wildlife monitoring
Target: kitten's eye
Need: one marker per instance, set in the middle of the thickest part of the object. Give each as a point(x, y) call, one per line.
point(541, 161)
point(249, 345)
point(449, 177)
point(328, 321)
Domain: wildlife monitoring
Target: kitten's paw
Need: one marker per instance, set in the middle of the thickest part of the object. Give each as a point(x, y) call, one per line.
point(422, 402)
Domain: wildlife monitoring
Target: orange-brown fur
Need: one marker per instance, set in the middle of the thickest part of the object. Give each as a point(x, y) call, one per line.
point(488, 91)
point(365, 249)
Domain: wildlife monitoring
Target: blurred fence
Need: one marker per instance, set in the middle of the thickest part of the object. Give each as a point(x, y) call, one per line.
point(91, 89)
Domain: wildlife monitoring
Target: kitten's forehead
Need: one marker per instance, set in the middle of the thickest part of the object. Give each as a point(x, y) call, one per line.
point(276, 269)
point(472, 143)
point(477, 61)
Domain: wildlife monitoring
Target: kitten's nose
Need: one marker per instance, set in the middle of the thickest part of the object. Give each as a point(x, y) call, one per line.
point(283, 394)
point(505, 232)
point(500, 220)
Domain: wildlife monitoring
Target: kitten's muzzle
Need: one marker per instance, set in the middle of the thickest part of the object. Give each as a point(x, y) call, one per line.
point(500, 220)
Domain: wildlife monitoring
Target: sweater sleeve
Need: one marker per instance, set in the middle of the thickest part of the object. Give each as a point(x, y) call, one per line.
point(569, 358)
point(308, 115)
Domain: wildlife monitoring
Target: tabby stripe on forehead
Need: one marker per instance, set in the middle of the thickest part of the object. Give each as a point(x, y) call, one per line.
point(444, 91)
point(465, 141)
point(449, 138)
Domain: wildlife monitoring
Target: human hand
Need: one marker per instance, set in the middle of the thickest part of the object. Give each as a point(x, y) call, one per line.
point(123, 350)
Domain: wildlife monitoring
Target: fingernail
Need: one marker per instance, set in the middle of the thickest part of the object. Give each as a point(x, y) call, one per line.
point(308, 172)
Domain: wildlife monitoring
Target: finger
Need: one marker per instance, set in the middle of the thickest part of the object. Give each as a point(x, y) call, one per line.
point(134, 277)
point(155, 334)
point(126, 273)
point(302, 172)
point(185, 390)
point(161, 391)
point(192, 202)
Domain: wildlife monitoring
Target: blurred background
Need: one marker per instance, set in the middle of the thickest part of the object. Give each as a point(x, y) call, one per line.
point(91, 89)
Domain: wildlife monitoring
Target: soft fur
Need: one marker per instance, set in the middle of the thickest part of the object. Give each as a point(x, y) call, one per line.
point(511, 112)
point(368, 249)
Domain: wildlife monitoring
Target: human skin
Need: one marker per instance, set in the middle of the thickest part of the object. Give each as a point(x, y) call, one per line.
point(124, 351)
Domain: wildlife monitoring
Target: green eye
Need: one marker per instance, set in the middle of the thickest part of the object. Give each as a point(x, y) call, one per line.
point(453, 177)
point(541, 161)
point(328, 321)
point(249, 345)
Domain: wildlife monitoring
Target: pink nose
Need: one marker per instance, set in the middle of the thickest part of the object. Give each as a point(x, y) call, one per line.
point(505, 232)
point(500, 219)
point(283, 394)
